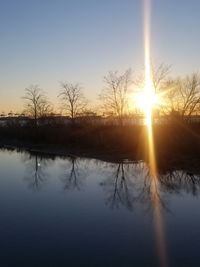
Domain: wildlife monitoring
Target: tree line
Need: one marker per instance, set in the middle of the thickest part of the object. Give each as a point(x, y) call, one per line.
point(179, 96)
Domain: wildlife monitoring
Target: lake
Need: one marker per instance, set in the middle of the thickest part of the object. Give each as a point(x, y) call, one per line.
point(85, 212)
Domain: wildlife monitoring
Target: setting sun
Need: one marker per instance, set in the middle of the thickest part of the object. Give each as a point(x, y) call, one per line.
point(147, 100)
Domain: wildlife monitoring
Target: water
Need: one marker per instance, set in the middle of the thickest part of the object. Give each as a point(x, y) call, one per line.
point(85, 212)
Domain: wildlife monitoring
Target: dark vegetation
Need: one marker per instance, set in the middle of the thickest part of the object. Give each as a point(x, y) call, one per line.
point(174, 141)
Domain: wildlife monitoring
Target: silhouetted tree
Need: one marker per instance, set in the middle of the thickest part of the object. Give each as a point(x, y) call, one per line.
point(73, 100)
point(182, 95)
point(170, 98)
point(36, 103)
point(189, 89)
point(160, 76)
point(114, 96)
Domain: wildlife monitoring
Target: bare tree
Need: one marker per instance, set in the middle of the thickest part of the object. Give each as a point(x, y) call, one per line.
point(73, 100)
point(182, 95)
point(36, 103)
point(114, 96)
point(189, 89)
point(179, 95)
point(160, 76)
point(170, 97)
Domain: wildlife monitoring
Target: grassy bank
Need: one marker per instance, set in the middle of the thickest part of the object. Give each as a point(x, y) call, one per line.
point(172, 141)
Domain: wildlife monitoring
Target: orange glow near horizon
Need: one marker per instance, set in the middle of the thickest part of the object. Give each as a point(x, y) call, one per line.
point(147, 102)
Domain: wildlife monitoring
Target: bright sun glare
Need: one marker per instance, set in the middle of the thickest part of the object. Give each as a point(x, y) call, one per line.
point(147, 100)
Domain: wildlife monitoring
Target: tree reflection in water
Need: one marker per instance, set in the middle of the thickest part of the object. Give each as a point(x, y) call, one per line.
point(130, 183)
point(36, 175)
point(126, 183)
point(119, 186)
point(75, 173)
point(180, 181)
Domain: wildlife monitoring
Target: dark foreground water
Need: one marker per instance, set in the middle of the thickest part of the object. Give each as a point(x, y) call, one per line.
point(83, 212)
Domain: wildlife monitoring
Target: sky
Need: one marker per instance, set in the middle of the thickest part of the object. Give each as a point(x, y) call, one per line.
point(45, 42)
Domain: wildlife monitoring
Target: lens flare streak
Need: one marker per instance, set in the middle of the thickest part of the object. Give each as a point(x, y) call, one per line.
point(149, 92)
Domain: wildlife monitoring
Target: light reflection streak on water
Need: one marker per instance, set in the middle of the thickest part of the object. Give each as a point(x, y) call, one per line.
point(155, 194)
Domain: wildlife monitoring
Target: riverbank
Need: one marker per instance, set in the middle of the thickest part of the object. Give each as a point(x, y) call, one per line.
point(174, 144)
point(58, 151)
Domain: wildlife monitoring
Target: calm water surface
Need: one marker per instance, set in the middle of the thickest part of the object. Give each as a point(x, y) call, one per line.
point(84, 212)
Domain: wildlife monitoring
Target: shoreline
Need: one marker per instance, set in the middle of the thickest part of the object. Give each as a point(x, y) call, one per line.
point(114, 156)
point(189, 163)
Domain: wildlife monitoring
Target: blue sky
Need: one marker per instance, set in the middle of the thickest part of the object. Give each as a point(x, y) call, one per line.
point(47, 41)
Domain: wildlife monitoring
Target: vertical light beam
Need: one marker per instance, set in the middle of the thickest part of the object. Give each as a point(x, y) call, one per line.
point(149, 90)
point(148, 86)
